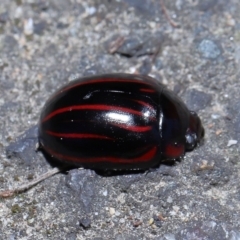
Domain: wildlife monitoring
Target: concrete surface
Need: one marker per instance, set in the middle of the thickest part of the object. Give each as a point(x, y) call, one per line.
point(44, 44)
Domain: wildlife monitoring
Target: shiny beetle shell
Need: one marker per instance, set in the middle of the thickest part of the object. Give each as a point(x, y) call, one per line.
point(117, 121)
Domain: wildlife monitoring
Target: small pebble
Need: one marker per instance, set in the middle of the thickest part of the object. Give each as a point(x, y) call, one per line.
point(169, 200)
point(232, 142)
point(215, 116)
point(151, 221)
point(105, 193)
point(112, 211)
point(209, 49)
point(122, 220)
point(85, 223)
point(117, 213)
point(31, 220)
point(28, 27)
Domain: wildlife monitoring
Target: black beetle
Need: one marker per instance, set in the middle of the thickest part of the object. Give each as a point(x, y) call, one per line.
point(117, 121)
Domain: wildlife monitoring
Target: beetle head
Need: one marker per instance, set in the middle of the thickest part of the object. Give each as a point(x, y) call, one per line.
point(195, 131)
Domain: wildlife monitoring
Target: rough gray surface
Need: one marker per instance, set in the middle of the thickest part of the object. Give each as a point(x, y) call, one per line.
point(44, 44)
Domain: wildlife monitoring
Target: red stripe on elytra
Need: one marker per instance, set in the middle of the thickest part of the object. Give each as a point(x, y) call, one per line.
point(147, 90)
point(98, 107)
point(144, 104)
point(133, 128)
point(77, 135)
point(148, 156)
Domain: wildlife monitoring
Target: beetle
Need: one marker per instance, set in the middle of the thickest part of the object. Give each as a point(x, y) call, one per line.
point(114, 122)
point(117, 121)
